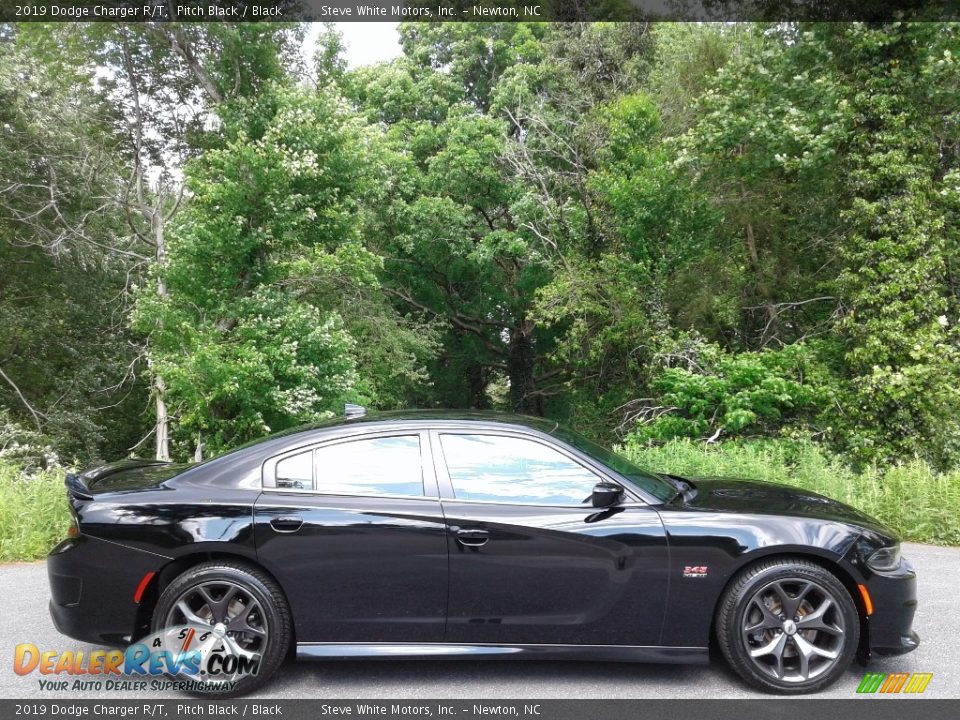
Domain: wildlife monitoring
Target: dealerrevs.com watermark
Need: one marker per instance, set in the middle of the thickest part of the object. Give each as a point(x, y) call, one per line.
point(184, 658)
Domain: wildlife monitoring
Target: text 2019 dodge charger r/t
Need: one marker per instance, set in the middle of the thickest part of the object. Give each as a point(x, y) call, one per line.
point(441, 533)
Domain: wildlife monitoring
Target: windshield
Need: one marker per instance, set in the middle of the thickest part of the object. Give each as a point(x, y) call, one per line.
point(643, 479)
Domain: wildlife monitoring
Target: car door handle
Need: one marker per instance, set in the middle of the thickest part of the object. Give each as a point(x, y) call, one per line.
point(472, 537)
point(286, 523)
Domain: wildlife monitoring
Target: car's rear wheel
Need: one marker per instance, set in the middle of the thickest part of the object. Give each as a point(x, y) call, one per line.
point(788, 626)
point(246, 613)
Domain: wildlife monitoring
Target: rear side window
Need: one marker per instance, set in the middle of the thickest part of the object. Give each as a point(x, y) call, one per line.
point(296, 472)
point(373, 466)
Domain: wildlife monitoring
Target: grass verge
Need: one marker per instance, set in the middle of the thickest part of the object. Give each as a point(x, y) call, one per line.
point(33, 513)
point(920, 504)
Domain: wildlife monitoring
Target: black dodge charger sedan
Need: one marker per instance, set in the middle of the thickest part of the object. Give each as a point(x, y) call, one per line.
point(467, 534)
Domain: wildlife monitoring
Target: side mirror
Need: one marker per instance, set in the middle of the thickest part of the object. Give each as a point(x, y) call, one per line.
point(605, 494)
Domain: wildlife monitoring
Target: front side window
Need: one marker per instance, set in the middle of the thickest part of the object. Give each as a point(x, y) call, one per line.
point(372, 466)
point(515, 470)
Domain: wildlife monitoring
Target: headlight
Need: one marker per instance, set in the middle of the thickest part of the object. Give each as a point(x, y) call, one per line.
point(885, 559)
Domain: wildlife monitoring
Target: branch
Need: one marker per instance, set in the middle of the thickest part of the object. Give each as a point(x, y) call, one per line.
point(143, 439)
point(547, 375)
point(456, 321)
point(185, 51)
point(635, 412)
point(176, 204)
point(36, 417)
point(784, 305)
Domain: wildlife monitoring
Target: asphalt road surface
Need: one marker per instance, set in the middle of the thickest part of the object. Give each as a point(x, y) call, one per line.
point(23, 618)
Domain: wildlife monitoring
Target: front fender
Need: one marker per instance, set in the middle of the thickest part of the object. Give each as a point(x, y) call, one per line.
point(724, 544)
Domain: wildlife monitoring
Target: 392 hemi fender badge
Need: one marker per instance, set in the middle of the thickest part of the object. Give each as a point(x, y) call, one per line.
point(694, 571)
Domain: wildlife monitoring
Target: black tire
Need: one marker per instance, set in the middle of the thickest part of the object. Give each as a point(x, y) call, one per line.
point(274, 619)
point(788, 655)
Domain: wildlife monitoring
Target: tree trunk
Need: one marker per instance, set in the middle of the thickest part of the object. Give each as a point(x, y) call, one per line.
point(523, 397)
point(771, 329)
point(477, 379)
point(162, 431)
point(163, 420)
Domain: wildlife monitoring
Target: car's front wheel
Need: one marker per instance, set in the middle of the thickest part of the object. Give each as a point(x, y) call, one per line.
point(788, 626)
point(235, 616)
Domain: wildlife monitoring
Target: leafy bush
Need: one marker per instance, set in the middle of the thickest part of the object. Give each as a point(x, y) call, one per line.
point(919, 503)
point(33, 512)
point(719, 393)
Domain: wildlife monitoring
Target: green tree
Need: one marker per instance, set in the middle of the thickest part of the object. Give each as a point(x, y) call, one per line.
point(268, 285)
point(242, 355)
point(764, 148)
point(900, 396)
point(451, 230)
point(611, 296)
point(66, 354)
point(159, 113)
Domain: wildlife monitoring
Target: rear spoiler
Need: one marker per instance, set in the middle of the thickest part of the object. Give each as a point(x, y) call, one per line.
point(76, 487)
point(80, 485)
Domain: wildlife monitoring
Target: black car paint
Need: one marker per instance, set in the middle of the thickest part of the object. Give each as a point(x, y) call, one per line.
point(365, 574)
point(557, 576)
point(358, 569)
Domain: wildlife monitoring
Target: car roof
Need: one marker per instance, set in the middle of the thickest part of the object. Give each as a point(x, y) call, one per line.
point(399, 417)
point(246, 459)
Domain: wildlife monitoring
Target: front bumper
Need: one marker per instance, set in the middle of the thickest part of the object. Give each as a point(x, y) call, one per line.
point(92, 584)
point(908, 643)
point(894, 597)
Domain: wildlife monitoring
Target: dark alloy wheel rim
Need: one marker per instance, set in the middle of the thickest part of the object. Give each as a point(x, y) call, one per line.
point(793, 630)
point(225, 606)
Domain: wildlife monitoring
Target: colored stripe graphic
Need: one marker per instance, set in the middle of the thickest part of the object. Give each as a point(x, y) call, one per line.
point(919, 682)
point(871, 682)
point(893, 683)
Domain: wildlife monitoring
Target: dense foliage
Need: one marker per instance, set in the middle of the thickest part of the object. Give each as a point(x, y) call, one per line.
point(716, 233)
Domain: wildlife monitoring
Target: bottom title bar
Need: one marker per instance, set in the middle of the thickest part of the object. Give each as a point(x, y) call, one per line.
point(853, 709)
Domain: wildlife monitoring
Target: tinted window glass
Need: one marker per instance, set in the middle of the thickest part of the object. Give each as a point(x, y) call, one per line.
point(642, 478)
point(296, 472)
point(506, 469)
point(376, 466)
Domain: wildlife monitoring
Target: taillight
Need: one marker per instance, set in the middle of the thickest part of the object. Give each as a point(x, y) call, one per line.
point(74, 528)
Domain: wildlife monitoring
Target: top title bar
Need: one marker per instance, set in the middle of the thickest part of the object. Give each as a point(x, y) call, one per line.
point(474, 10)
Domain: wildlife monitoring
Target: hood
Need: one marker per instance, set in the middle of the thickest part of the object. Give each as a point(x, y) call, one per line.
point(124, 475)
point(751, 496)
